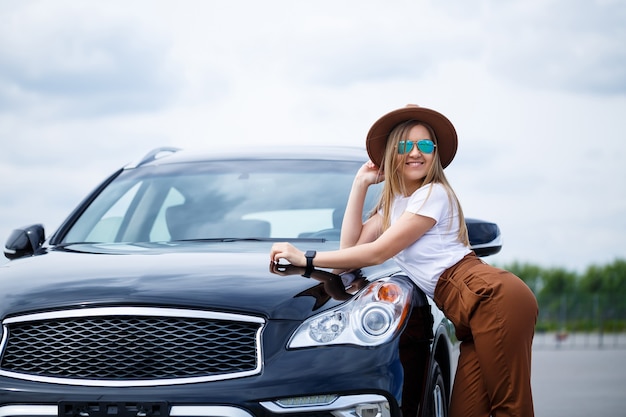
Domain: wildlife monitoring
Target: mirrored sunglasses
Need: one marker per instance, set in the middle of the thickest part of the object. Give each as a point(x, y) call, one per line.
point(423, 145)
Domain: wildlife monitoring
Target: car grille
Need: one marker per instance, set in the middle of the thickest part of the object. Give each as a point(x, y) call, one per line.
point(131, 346)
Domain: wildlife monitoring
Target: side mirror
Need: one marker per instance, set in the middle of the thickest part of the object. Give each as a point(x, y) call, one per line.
point(24, 242)
point(485, 238)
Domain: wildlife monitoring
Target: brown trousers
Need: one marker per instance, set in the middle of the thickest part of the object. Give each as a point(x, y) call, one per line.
point(494, 314)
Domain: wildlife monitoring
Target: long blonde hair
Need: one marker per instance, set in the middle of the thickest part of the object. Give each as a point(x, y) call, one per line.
point(394, 180)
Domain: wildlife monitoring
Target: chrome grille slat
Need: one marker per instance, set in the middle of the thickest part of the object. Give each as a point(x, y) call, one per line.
point(123, 347)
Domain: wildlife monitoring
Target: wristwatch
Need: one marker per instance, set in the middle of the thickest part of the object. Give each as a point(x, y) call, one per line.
point(309, 255)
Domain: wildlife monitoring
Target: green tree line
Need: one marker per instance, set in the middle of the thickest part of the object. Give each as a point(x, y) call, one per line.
point(594, 300)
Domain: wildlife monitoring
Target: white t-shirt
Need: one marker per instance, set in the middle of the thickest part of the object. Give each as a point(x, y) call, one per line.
point(439, 248)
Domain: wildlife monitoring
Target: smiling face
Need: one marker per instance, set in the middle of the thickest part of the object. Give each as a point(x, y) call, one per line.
point(415, 165)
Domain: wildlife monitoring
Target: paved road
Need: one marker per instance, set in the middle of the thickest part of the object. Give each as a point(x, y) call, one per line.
point(579, 382)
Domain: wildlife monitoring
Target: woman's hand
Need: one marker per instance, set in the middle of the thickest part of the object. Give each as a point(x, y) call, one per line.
point(370, 174)
point(287, 252)
point(286, 270)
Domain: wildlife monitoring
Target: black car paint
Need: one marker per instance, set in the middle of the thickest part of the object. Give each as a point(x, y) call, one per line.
point(189, 275)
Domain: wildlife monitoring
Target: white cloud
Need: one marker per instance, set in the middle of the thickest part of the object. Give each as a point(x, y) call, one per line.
point(570, 46)
point(71, 63)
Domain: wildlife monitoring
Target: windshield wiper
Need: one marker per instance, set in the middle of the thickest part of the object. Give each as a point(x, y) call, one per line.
point(66, 245)
point(252, 239)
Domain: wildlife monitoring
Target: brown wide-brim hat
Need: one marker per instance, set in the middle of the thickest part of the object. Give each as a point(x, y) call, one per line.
point(446, 138)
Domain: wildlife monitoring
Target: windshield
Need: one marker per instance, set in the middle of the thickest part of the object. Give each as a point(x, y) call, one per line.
point(274, 199)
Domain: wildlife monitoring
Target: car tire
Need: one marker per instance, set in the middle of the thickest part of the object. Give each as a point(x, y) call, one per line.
point(436, 401)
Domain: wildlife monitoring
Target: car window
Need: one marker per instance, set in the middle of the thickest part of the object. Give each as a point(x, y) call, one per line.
point(224, 199)
point(109, 224)
point(159, 232)
point(296, 223)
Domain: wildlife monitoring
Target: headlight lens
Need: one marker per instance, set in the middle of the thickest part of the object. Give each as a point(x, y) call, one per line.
point(327, 327)
point(376, 321)
point(370, 318)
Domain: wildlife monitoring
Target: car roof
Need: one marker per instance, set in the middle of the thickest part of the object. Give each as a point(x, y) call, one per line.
point(170, 155)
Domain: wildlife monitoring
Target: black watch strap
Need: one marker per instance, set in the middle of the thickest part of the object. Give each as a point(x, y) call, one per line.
point(309, 255)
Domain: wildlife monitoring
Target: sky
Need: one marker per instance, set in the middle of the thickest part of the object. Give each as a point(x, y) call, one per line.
point(535, 88)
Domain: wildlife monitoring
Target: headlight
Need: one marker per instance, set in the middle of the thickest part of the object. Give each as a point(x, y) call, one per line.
point(326, 328)
point(371, 318)
point(376, 320)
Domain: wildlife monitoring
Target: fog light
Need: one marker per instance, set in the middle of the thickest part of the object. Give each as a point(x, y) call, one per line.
point(364, 409)
point(363, 405)
point(313, 400)
point(368, 410)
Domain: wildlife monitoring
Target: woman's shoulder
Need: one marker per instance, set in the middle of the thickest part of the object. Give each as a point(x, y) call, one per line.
point(433, 194)
point(433, 188)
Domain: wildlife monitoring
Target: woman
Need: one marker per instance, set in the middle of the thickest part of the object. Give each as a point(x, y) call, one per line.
point(419, 223)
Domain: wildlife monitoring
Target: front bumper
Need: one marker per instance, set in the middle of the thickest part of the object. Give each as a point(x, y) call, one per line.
point(344, 406)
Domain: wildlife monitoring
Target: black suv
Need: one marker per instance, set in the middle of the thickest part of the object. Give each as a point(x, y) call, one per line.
point(157, 298)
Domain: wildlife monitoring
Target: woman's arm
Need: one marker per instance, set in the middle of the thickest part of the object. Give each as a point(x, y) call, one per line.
point(406, 230)
point(353, 230)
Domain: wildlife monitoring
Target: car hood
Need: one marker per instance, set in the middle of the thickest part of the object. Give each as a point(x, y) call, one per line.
point(232, 277)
